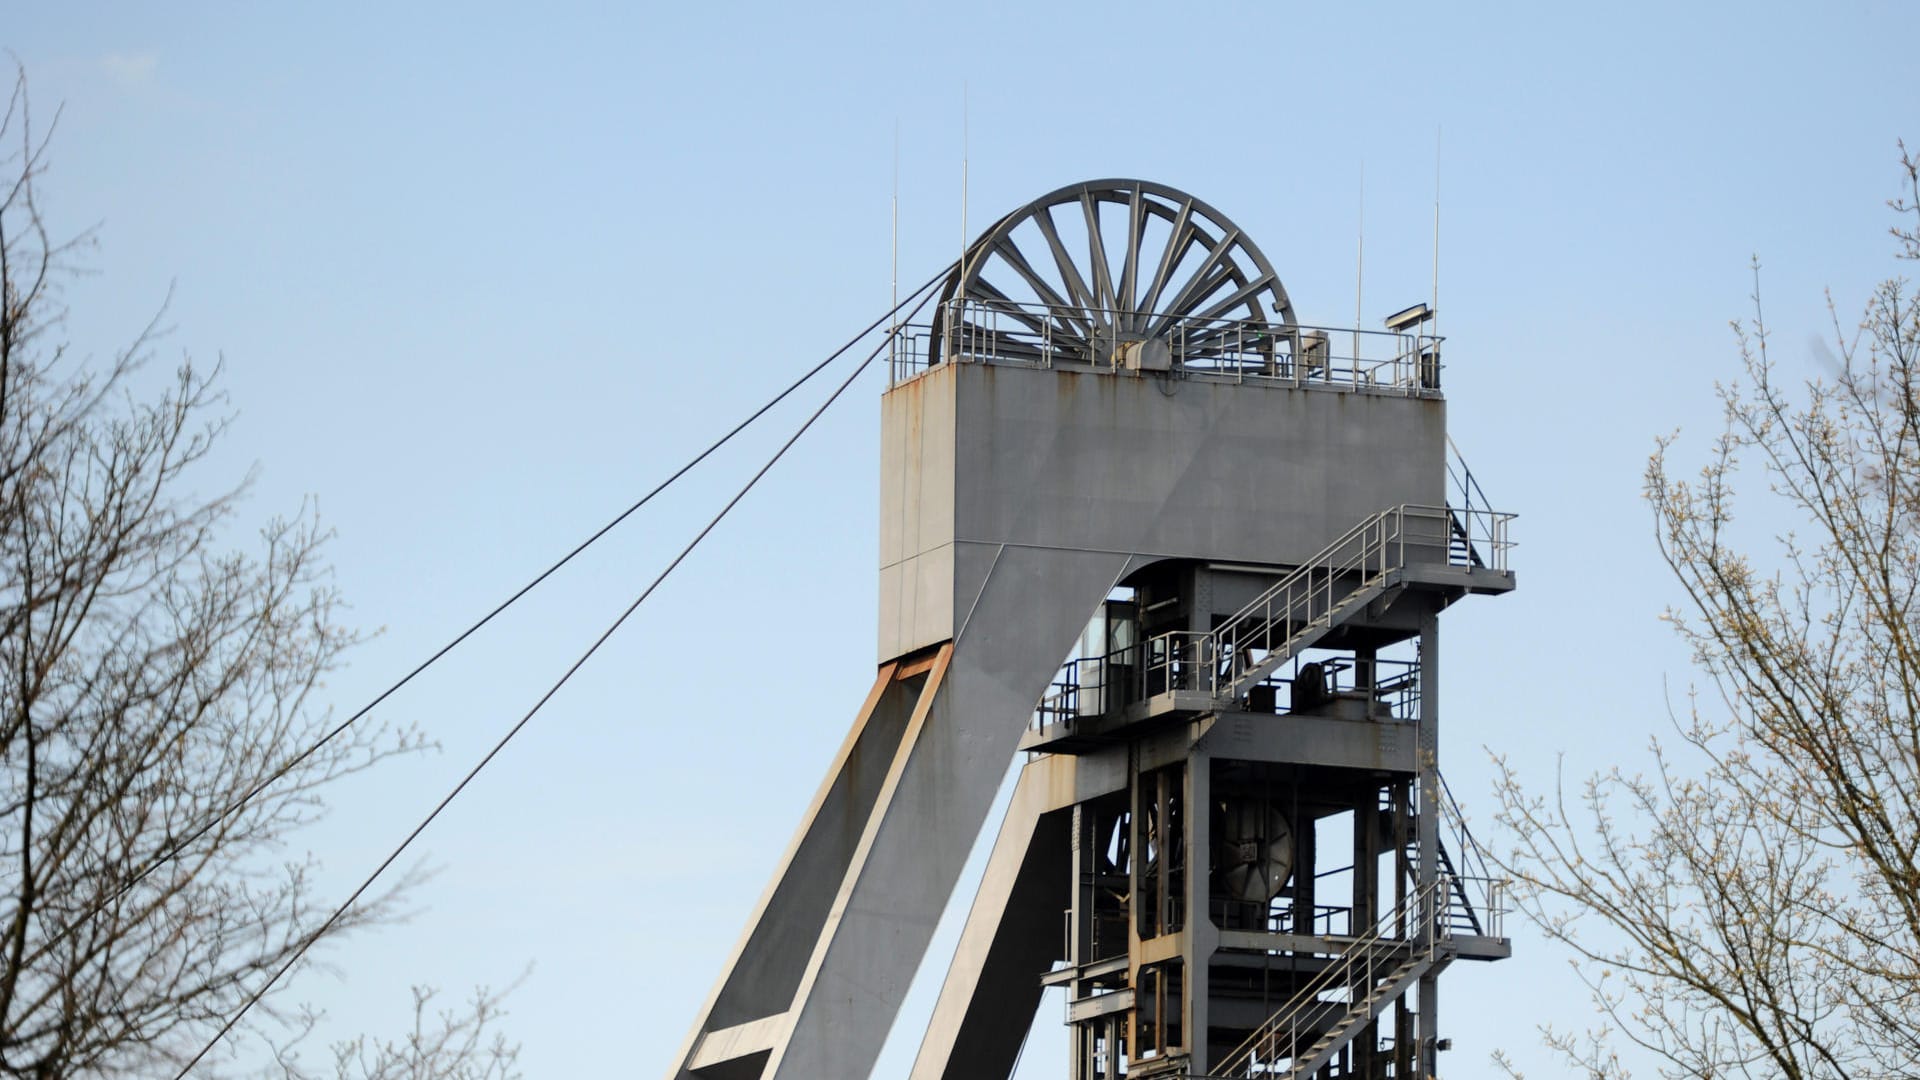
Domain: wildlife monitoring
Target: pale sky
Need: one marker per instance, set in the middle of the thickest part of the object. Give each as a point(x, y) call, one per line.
point(481, 276)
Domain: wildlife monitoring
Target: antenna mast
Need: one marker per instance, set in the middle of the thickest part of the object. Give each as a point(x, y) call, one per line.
point(893, 321)
point(1360, 259)
point(966, 133)
point(1434, 329)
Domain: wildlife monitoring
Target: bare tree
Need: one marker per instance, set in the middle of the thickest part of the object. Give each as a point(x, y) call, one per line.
point(1751, 905)
point(150, 681)
point(451, 1044)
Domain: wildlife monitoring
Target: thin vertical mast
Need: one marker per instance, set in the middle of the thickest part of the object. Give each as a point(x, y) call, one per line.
point(1359, 260)
point(965, 137)
point(1433, 328)
point(893, 321)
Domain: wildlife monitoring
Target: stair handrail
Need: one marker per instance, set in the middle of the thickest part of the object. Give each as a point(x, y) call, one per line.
point(1366, 953)
point(1475, 867)
point(1317, 561)
point(1473, 514)
point(1380, 538)
point(1464, 485)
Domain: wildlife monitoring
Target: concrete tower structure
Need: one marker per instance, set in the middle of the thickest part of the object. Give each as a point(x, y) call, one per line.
point(1115, 445)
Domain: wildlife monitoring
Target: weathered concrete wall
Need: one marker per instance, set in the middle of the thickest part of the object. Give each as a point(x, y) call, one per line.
point(977, 456)
point(916, 512)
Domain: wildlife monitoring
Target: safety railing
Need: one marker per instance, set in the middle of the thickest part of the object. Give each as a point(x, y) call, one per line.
point(1394, 683)
point(1480, 534)
point(1405, 937)
point(974, 330)
point(1401, 692)
point(907, 353)
point(1086, 687)
point(1073, 691)
point(1308, 595)
point(1322, 920)
point(1247, 646)
point(1480, 539)
point(1180, 660)
point(1480, 891)
point(1219, 660)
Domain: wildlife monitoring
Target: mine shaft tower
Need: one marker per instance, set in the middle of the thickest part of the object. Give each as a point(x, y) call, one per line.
point(1230, 842)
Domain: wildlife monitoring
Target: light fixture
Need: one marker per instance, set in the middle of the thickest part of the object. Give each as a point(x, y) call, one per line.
point(1413, 316)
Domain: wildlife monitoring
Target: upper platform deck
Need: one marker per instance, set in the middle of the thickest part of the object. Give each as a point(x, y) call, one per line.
point(974, 331)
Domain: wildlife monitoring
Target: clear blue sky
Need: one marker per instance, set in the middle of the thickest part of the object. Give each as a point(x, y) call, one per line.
point(481, 275)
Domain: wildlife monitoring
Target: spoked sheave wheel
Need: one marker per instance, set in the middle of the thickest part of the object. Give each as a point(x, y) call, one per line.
point(1082, 273)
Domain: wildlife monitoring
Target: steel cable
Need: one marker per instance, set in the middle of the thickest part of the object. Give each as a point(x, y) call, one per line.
point(394, 855)
point(179, 846)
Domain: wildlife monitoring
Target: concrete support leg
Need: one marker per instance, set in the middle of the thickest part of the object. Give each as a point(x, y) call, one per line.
point(734, 1032)
point(1030, 608)
point(1013, 935)
point(812, 991)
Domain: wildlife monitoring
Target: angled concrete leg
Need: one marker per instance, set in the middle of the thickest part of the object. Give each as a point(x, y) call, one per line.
point(1014, 930)
point(1012, 937)
point(736, 1027)
point(1031, 605)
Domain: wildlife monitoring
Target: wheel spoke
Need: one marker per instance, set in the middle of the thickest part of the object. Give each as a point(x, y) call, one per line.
point(1068, 272)
point(1130, 269)
point(1188, 296)
point(1176, 250)
point(1242, 295)
point(1199, 290)
point(1064, 309)
point(1055, 324)
point(1097, 255)
point(992, 299)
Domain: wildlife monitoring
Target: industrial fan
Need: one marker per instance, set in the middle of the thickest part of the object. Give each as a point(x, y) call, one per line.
point(1255, 850)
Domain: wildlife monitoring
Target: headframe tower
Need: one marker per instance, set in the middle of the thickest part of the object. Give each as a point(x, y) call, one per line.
point(1229, 842)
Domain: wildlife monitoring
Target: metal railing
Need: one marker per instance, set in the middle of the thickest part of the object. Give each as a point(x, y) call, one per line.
point(1479, 532)
point(1261, 635)
point(1393, 682)
point(1323, 920)
point(1477, 887)
point(1479, 538)
point(1404, 938)
point(1306, 598)
point(1078, 690)
point(1087, 686)
point(973, 330)
point(1477, 903)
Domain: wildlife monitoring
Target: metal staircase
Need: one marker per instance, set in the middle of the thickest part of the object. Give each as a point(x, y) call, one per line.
point(1460, 548)
point(1431, 926)
point(1304, 1034)
point(1460, 914)
point(1475, 914)
point(1308, 603)
point(1330, 587)
point(1338, 581)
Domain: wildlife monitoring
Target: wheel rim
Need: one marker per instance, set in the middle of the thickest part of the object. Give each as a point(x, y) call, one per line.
point(1078, 273)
